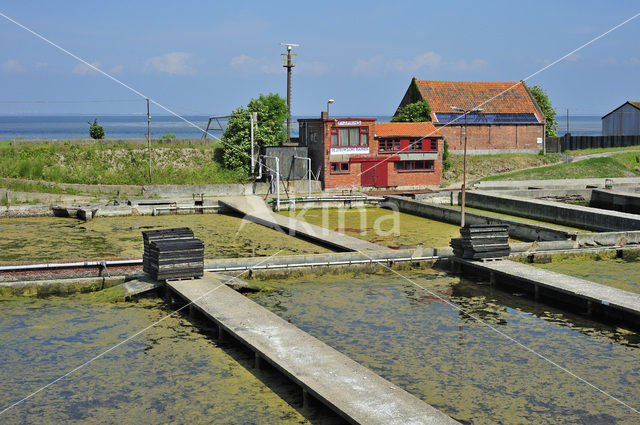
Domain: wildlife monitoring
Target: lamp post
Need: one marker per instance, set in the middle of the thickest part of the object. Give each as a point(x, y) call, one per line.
point(329, 102)
point(289, 61)
point(464, 158)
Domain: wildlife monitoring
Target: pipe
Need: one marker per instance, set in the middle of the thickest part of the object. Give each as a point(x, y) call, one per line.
point(101, 263)
point(277, 180)
point(186, 207)
point(308, 170)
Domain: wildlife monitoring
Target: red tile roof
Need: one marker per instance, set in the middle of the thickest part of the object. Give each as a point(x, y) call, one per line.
point(492, 97)
point(405, 129)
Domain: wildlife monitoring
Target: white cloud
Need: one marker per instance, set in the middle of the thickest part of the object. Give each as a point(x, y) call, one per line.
point(117, 69)
point(242, 60)
point(574, 57)
point(173, 63)
point(12, 66)
point(249, 65)
point(314, 68)
point(42, 65)
point(84, 69)
point(429, 61)
point(634, 61)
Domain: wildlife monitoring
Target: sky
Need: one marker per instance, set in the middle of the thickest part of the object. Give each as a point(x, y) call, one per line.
point(210, 57)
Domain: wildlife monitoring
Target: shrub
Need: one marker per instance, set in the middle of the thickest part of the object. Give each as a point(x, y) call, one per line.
point(95, 130)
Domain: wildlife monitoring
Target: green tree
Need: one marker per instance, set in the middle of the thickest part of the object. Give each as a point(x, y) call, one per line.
point(270, 131)
point(541, 97)
point(95, 131)
point(413, 112)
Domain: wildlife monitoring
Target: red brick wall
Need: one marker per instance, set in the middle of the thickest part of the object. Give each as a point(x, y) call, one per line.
point(508, 136)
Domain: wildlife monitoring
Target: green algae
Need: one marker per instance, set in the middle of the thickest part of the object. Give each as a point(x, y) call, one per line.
point(529, 220)
point(51, 239)
point(171, 373)
point(603, 267)
point(455, 363)
point(381, 226)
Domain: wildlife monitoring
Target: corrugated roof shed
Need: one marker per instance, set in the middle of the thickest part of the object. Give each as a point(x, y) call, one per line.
point(493, 97)
point(405, 129)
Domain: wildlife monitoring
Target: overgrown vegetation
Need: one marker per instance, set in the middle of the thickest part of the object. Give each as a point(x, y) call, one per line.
point(116, 164)
point(581, 152)
point(620, 165)
point(414, 112)
point(270, 131)
point(541, 97)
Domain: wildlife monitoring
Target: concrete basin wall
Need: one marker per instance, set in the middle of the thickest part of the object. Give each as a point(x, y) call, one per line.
point(517, 229)
point(554, 212)
point(617, 201)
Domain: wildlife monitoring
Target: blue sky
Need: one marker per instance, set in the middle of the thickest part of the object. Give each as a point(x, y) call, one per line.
point(210, 57)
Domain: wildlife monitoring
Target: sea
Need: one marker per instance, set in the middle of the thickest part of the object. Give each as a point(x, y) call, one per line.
point(62, 127)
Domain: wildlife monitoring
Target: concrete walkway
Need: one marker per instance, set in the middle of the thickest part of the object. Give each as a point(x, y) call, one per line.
point(253, 208)
point(351, 390)
point(580, 289)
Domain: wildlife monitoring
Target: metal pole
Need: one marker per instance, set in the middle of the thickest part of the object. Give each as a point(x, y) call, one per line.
point(253, 116)
point(277, 180)
point(464, 170)
point(149, 138)
point(289, 94)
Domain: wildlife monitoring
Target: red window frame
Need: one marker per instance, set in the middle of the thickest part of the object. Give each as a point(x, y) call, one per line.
point(364, 131)
point(340, 167)
point(416, 144)
point(433, 145)
point(389, 145)
point(414, 165)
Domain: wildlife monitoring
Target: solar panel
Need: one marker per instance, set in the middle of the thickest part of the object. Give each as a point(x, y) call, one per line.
point(446, 118)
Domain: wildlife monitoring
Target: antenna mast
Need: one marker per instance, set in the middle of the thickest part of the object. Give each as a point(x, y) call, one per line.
point(289, 61)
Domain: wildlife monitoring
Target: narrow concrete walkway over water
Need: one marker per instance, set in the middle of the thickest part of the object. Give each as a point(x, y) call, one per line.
point(253, 208)
point(595, 297)
point(351, 390)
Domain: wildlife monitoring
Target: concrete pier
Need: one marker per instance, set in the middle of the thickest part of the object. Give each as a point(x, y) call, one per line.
point(351, 390)
point(253, 208)
point(592, 298)
point(615, 200)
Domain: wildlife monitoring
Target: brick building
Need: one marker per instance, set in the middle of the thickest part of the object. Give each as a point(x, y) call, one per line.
point(510, 122)
point(358, 152)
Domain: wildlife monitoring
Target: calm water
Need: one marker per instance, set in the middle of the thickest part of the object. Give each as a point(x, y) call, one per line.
point(460, 366)
point(172, 373)
point(135, 126)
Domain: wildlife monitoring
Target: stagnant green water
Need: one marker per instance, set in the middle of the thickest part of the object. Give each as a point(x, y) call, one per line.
point(172, 373)
point(460, 366)
point(616, 272)
point(47, 239)
point(381, 226)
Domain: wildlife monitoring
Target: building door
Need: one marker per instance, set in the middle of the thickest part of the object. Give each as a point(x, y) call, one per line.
point(374, 173)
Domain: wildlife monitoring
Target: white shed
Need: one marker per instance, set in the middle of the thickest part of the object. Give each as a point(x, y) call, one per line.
point(624, 120)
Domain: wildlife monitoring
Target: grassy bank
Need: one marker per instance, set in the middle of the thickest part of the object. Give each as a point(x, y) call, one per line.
point(620, 165)
point(480, 166)
point(116, 164)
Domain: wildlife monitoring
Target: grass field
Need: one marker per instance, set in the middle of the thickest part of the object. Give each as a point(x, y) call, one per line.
point(620, 165)
point(115, 164)
point(581, 152)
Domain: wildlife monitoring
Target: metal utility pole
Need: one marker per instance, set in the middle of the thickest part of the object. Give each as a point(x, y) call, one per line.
point(149, 138)
point(254, 119)
point(464, 158)
point(289, 61)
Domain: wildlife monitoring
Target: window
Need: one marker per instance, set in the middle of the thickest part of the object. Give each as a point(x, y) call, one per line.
point(415, 145)
point(339, 167)
point(434, 144)
point(413, 165)
point(349, 136)
point(389, 145)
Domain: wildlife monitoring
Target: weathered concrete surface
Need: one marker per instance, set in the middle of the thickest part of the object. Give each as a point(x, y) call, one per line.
point(616, 200)
point(605, 297)
point(555, 184)
point(517, 229)
point(296, 187)
point(351, 390)
point(140, 285)
point(254, 209)
point(554, 212)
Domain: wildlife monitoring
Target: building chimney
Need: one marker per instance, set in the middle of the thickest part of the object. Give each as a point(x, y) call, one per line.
point(324, 115)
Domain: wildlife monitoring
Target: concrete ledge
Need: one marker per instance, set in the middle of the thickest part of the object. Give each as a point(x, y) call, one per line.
point(554, 212)
point(616, 200)
point(555, 184)
point(517, 229)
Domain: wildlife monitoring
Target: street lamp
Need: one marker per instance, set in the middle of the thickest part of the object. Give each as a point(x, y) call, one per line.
point(329, 102)
point(464, 158)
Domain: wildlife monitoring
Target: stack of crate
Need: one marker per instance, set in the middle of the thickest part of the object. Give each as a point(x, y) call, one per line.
point(481, 242)
point(172, 254)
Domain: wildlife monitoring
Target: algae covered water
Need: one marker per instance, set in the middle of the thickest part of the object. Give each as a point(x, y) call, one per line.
point(461, 366)
point(48, 238)
point(172, 373)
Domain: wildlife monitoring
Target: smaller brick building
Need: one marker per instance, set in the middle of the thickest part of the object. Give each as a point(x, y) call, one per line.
point(358, 152)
